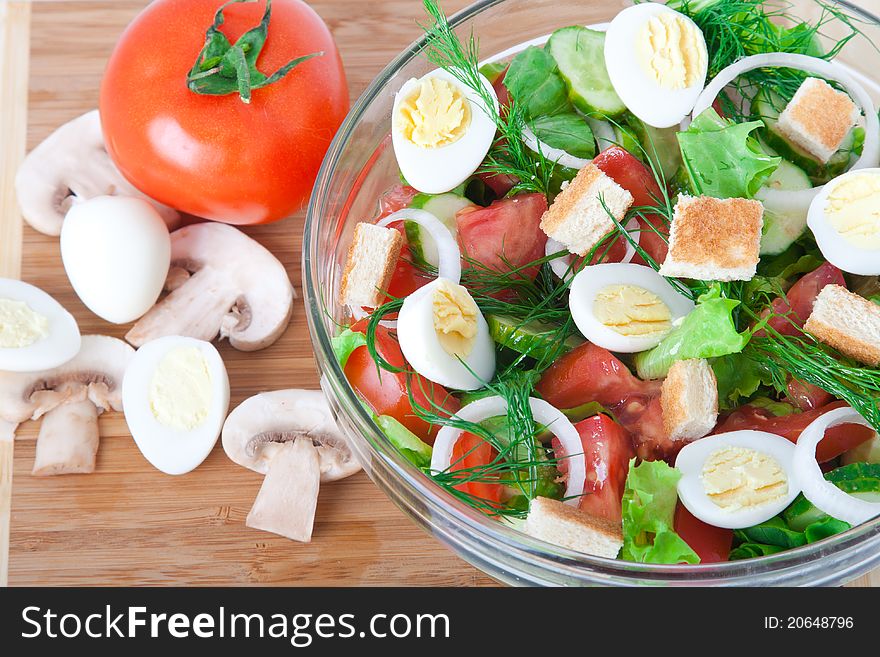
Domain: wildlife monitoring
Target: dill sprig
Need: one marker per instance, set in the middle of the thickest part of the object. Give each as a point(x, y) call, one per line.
point(738, 28)
point(808, 360)
point(508, 155)
point(518, 459)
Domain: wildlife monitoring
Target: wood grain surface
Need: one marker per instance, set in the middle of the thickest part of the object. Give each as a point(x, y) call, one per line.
point(128, 524)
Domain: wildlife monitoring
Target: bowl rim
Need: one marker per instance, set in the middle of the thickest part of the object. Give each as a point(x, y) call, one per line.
point(483, 527)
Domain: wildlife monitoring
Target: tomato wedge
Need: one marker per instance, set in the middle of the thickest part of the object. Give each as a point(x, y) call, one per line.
point(589, 373)
point(798, 302)
point(607, 452)
point(712, 544)
point(471, 451)
point(506, 235)
point(386, 392)
point(837, 440)
point(631, 173)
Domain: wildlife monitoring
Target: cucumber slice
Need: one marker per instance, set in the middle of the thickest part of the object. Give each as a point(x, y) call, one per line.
point(867, 452)
point(442, 206)
point(783, 225)
point(534, 339)
point(861, 480)
point(580, 55)
point(789, 177)
point(768, 105)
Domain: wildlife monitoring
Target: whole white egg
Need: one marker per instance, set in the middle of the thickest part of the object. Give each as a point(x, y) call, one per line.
point(625, 307)
point(461, 144)
point(36, 332)
point(845, 219)
point(116, 252)
point(175, 396)
point(657, 62)
point(737, 479)
point(423, 347)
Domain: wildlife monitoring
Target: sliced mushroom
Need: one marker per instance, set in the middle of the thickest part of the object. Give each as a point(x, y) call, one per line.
point(222, 282)
point(69, 399)
point(292, 438)
point(72, 164)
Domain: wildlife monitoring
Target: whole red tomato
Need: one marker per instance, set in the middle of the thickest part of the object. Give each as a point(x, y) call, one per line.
point(216, 156)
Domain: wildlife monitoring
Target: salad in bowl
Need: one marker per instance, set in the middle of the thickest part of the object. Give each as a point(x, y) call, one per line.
point(624, 296)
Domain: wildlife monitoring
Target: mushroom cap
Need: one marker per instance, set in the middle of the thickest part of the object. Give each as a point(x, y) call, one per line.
point(95, 372)
point(72, 163)
point(237, 289)
point(258, 428)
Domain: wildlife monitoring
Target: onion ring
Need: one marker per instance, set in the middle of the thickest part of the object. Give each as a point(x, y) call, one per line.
point(824, 495)
point(870, 151)
point(561, 266)
point(447, 248)
point(544, 413)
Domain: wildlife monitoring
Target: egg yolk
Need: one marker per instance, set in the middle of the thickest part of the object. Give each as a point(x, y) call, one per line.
point(671, 51)
point(435, 114)
point(853, 210)
point(455, 318)
point(180, 391)
point(631, 310)
point(737, 478)
point(20, 326)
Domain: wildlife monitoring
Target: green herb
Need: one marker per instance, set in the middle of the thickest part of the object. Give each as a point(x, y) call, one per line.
point(738, 28)
point(533, 79)
point(567, 132)
point(739, 377)
point(649, 501)
point(807, 360)
point(223, 68)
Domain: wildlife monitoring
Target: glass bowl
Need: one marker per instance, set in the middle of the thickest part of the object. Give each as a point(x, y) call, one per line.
point(360, 166)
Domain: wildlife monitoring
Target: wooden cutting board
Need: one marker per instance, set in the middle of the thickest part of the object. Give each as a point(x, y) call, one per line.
point(128, 524)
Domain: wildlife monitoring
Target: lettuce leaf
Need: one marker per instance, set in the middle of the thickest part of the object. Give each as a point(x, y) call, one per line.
point(722, 159)
point(409, 444)
point(649, 501)
point(345, 343)
point(707, 332)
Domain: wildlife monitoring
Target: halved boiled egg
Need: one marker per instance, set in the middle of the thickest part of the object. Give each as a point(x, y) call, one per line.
point(441, 131)
point(625, 307)
point(737, 479)
point(444, 336)
point(657, 62)
point(36, 332)
point(175, 396)
point(845, 219)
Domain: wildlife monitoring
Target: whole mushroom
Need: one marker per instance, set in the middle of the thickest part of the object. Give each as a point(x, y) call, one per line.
point(292, 438)
point(72, 164)
point(221, 282)
point(69, 399)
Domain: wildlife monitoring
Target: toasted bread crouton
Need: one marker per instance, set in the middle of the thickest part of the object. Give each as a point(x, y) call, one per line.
point(577, 219)
point(848, 322)
point(567, 526)
point(714, 239)
point(689, 399)
point(818, 118)
point(370, 264)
